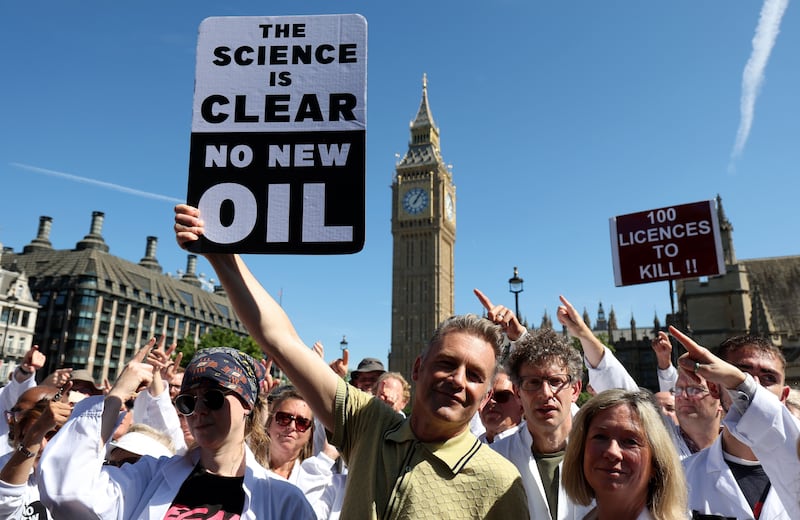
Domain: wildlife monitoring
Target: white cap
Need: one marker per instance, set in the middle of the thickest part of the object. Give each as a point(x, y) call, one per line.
point(141, 444)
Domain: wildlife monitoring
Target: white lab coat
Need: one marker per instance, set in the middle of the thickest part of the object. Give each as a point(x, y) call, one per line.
point(8, 398)
point(19, 500)
point(769, 429)
point(609, 373)
point(74, 483)
point(517, 449)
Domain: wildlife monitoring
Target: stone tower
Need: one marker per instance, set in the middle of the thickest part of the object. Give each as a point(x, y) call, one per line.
point(424, 231)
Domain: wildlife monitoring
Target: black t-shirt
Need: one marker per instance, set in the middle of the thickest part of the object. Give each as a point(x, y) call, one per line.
point(204, 496)
point(753, 482)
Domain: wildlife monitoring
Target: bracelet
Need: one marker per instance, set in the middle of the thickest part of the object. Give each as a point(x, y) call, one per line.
point(26, 452)
point(26, 372)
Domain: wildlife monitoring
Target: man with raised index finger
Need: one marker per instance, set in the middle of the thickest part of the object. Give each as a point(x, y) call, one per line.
point(752, 470)
point(425, 466)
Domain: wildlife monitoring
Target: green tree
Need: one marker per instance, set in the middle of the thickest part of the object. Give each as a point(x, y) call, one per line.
point(218, 337)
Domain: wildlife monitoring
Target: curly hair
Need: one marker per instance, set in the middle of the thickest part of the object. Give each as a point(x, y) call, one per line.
point(539, 347)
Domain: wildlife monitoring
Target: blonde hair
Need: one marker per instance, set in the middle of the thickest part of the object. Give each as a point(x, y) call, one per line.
point(667, 492)
point(255, 431)
point(395, 375)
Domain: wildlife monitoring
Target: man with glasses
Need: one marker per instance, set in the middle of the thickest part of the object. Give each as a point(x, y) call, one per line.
point(546, 371)
point(697, 408)
point(752, 470)
point(699, 413)
point(502, 413)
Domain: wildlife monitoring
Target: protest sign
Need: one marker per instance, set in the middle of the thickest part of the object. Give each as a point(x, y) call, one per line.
point(278, 146)
point(666, 244)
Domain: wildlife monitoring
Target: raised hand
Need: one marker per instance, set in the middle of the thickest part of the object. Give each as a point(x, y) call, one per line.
point(699, 361)
point(188, 225)
point(663, 349)
point(269, 383)
point(136, 375)
point(568, 316)
point(340, 365)
point(503, 316)
point(58, 378)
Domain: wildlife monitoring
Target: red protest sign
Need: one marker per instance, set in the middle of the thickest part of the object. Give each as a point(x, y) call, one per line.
point(669, 243)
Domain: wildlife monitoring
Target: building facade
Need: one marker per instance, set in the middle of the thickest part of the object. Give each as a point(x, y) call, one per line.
point(758, 296)
point(18, 312)
point(424, 234)
point(96, 309)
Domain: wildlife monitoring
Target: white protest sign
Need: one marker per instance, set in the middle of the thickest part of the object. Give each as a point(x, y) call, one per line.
point(277, 161)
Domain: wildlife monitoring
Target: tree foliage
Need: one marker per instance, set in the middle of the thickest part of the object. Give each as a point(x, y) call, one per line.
point(218, 337)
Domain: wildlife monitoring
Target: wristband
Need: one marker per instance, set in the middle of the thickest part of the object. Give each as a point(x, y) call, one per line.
point(25, 451)
point(26, 372)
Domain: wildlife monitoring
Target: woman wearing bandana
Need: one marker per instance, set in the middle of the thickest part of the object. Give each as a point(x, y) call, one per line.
point(219, 479)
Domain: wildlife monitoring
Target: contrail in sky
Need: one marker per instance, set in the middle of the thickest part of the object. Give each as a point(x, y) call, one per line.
point(94, 182)
point(769, 23)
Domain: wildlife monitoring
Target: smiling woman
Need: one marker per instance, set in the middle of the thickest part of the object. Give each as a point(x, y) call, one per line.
point(219, 478)
point(621, 455)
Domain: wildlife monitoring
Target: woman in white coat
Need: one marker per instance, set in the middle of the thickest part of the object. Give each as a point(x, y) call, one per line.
point(620, 454)
point(220, 478)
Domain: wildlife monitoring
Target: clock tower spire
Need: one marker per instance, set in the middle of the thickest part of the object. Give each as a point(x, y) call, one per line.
point(424, 232)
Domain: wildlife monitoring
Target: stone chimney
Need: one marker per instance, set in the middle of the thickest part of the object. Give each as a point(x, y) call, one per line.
point(94, 240)
point(42, 240)
point(149, 261)
point(190, 276)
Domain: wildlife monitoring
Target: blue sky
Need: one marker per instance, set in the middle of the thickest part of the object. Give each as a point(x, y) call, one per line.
point(554, 115)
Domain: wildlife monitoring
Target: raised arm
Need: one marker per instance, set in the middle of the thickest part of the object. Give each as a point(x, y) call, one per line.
point(266, 321)
point(605, 370)
point(593, 348)
point(667, 373)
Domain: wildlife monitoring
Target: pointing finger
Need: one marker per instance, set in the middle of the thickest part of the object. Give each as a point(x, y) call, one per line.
point(486, 302)
point(142, 353)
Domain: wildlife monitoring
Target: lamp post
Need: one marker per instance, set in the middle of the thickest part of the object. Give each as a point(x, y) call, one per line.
point(515, 287)
point(343, 344)
point(11, 300)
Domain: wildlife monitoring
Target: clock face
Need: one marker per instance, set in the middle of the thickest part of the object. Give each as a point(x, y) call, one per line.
point(449, 207)
point(415, 200)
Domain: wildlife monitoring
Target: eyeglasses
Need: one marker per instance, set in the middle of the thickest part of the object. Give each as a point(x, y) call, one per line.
point(213, 399)
point(502, 396)
point(690, 392)
point(556, 382)
point(301, 424)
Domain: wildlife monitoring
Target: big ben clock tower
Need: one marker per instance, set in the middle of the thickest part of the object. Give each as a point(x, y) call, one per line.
point(424, 231)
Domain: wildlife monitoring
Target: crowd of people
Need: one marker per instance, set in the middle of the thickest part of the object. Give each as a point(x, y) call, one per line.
point(492, 429)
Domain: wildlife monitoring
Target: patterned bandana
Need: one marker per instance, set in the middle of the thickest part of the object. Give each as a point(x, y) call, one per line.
point(227, 367)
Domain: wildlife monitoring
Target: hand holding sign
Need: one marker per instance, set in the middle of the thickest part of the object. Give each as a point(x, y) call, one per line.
point(277, 157)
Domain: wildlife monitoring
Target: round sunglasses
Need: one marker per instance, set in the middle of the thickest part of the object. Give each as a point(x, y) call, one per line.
point(301, 424)
point(213, 399)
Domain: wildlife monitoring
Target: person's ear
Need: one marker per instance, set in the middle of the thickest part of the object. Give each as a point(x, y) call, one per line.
point(415, 369)
point(576, 390)
point(713, 389)
point(784, 394)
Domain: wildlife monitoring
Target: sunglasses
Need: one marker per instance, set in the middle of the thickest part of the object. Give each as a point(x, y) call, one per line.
point(503, 396)
point(301, 424)
point(213, 399)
